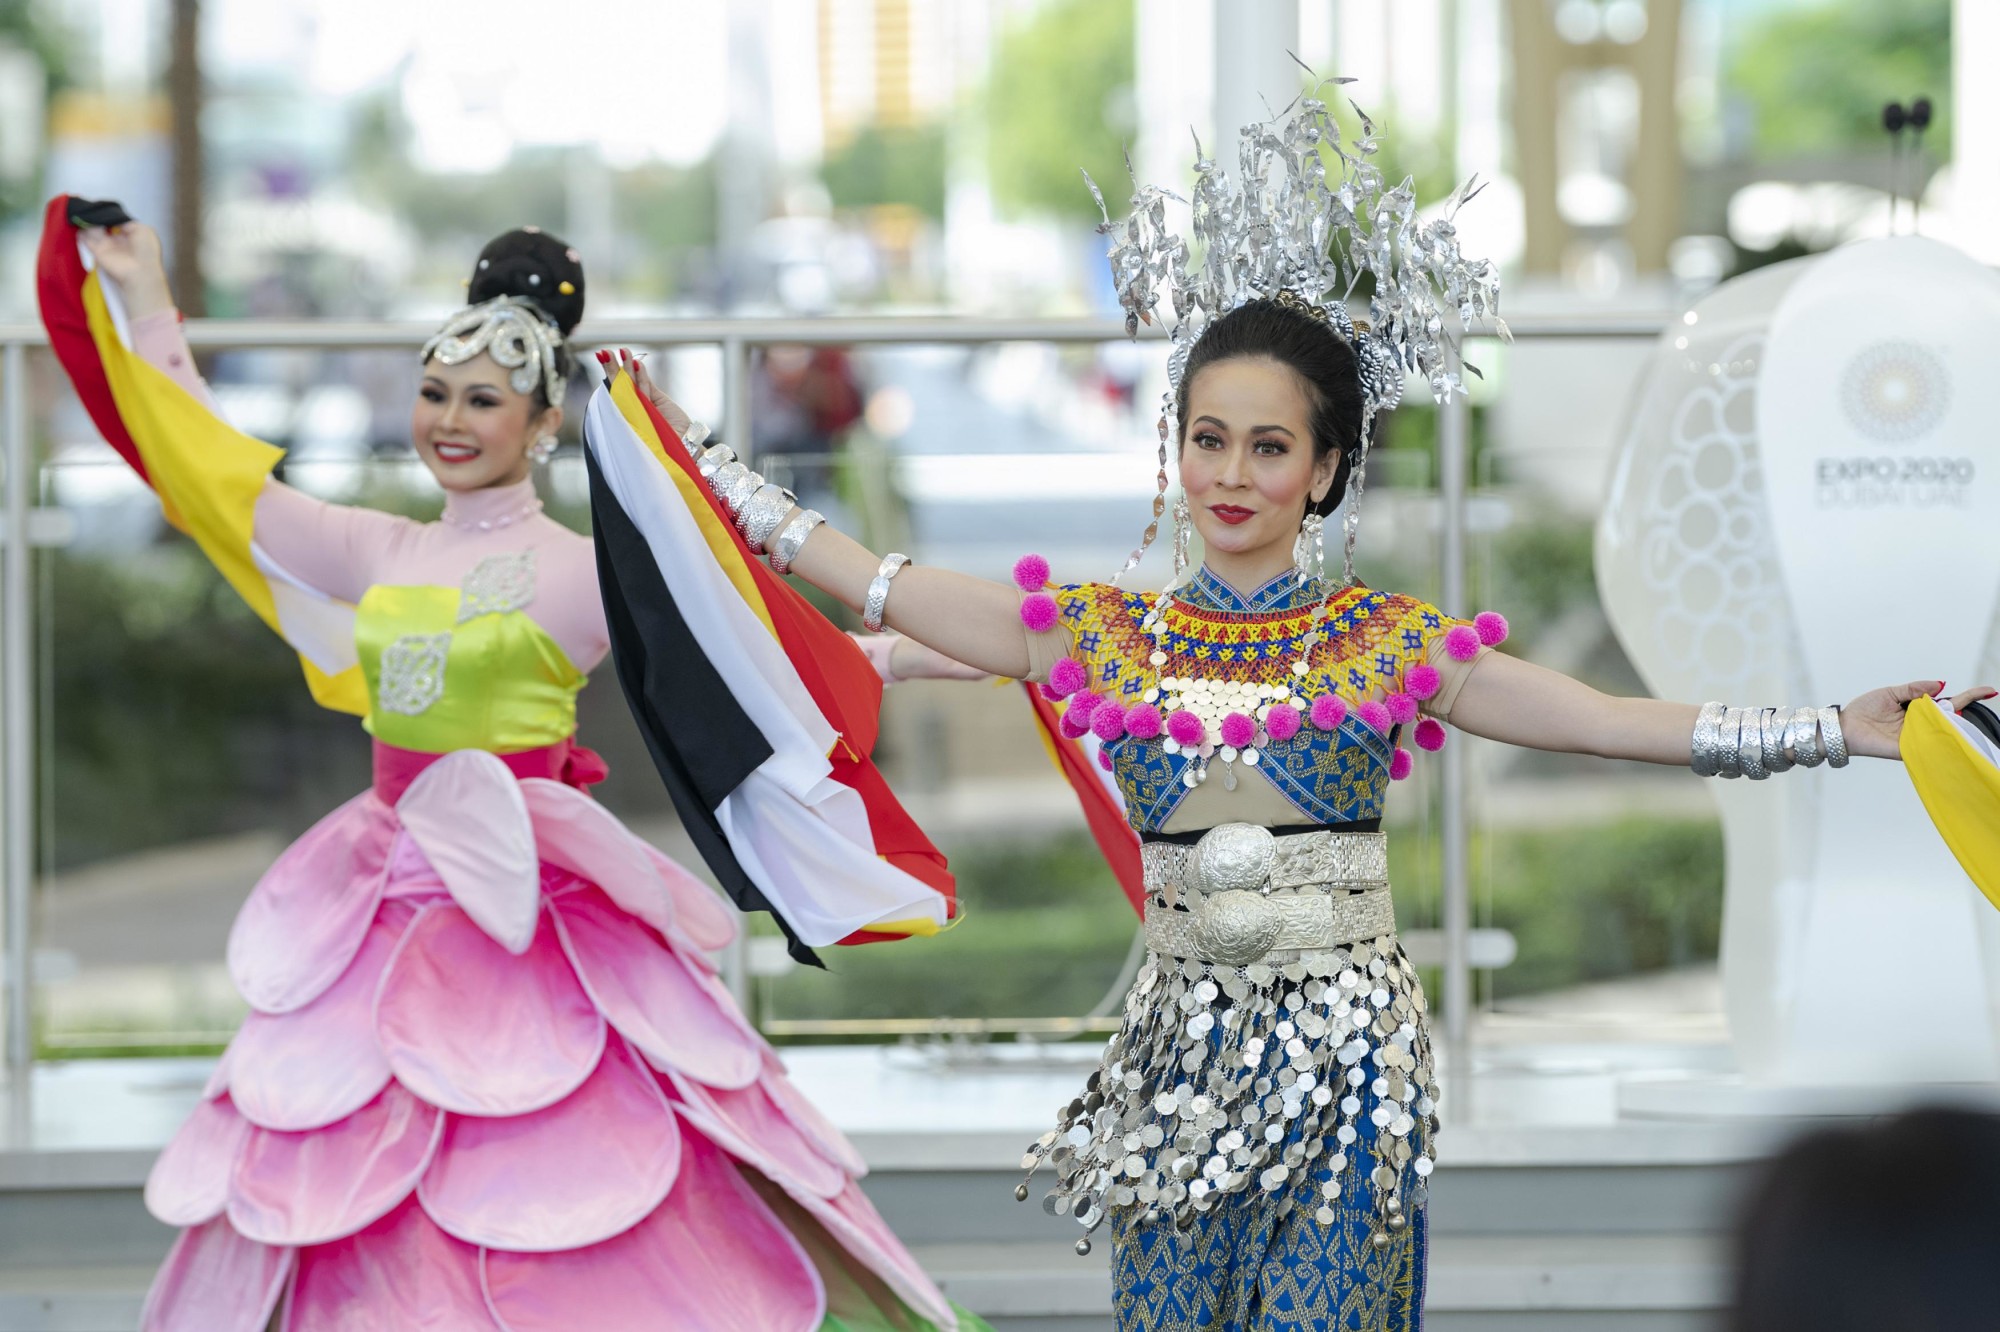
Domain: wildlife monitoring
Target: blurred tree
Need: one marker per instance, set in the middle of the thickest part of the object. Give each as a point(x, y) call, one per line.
point(1813, 78)
point(889, 165)
point(28, 27)
point(1060, 98)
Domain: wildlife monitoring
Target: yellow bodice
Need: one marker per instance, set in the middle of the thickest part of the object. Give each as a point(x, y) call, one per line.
point(465, 667)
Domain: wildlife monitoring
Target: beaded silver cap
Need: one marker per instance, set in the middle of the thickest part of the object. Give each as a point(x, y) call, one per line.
point(1307, 220)
point(515, 333)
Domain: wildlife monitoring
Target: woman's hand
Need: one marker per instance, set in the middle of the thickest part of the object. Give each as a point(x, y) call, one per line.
point(130, 256)
point(642, 379)
point(1873, 723)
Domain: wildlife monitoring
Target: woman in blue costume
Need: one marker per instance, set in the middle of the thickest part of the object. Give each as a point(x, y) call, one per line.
point(1259, 1132)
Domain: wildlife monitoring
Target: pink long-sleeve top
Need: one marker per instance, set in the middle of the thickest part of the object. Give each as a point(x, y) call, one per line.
point(343, 550)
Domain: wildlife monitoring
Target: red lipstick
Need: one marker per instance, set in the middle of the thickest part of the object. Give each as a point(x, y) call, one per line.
point(1232, 514)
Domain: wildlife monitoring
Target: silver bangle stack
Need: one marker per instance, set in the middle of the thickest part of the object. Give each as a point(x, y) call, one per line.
point(756, 506)
point(1756, 742)
point(877, 603)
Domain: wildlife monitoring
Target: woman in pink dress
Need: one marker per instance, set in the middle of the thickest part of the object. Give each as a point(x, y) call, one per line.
point(490, 1078)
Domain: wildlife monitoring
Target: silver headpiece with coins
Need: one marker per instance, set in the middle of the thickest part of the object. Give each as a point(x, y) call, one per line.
point(515, 333)
point(1308, 223)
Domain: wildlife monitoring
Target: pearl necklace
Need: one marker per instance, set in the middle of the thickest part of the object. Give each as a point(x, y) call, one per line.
point(528, 510)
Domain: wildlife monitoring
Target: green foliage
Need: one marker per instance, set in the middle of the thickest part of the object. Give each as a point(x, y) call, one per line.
point(889, 166)
point(1060, 99)
point(176, 713)
point(1593, 903)
point(1540, 570)
point(1046, 928)
point(1814, 78)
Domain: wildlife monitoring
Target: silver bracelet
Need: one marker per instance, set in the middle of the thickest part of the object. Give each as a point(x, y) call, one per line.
point(710, 461)
point(760, 517)
point(793, 538)
point(1706, 746)
point(1836, 739)
point(878, 592)
point(1750, 747)
point(695, 436)
point(1756, 742)
point(1802, 739)
point(734, 485)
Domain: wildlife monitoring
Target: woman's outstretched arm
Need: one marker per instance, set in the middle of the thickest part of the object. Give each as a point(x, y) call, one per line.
point(1523, 704)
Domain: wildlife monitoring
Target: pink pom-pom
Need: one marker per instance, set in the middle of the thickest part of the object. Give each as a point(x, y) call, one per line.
point(1430, 735)
point(1074, 725)
point(1423, 682)
point(1066, 677)
point(1040, 613)
point(1282, 721)
point(1186, 729)
point(1238, 731)
point(1108, 722)
point(1400, 764)
point(1329, 711)
point(1104, 759)
point(1031, 573)
point(1050, 692)
point(1144, 722)
point(1402, 708)
point(1375, 715)
point(1491, 626)
point(1082, 707)
point(1462, 642)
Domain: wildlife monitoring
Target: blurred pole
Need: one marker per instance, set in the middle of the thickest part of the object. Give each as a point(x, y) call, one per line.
point(736, 431)
point(744, 161)
point(184, 100)
point(1255, 76)
point(1454, 422)
point(1975, 126)
point(16, 717)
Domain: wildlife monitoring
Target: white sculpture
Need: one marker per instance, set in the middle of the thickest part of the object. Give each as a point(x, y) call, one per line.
point(1806, 505)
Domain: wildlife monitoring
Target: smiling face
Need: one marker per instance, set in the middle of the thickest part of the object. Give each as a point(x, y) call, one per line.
point(1249, 467)
point(472, 429)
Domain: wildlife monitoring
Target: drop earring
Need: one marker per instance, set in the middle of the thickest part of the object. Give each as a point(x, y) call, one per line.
point(1309, 551)
point(542, 449)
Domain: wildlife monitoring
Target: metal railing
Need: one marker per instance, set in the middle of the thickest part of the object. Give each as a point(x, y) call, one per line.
point(737, 338)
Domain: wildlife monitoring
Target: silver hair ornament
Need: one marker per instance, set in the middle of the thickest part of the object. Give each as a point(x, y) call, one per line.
point(518, 337)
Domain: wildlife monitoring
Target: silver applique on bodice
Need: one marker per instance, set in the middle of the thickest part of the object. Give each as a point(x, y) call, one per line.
point(413, 673)
point(497, 584)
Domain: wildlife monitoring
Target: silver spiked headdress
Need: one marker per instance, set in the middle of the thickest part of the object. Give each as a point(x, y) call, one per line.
point(1306, 222)
point(515, 333)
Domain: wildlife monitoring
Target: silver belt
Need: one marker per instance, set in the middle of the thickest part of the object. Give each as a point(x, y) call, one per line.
point(1250, 894)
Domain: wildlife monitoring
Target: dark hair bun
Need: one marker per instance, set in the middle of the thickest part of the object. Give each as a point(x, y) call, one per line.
point(530, 263)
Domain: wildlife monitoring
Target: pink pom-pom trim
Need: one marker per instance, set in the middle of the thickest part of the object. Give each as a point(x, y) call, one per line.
point(1144, 722)
point(1066, 677)
point(1462, 642)
point(1430, 735)
point(1108, 722)
point(1491, 626)
point(1282, 721)
point(1423, 682)
point(1073, 725)
point(1329, 711)
point(1375, 715)
point(1031, 573)
point(1400, 764)
point(1186, 729)
point(1402, 708)
point(1238, 731)
point(1082, 707)
point(1040, 613)
point(1104, 759)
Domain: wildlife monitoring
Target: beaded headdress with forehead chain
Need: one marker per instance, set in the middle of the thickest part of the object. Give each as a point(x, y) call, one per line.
point(1307, 223)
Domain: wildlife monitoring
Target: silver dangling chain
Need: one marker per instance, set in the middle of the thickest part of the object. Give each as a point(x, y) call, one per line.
point(1183, 525)
point(1351, 521)
point(1159, 505)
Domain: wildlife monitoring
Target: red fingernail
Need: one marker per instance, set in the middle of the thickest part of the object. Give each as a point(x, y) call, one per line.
point(603, 357)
